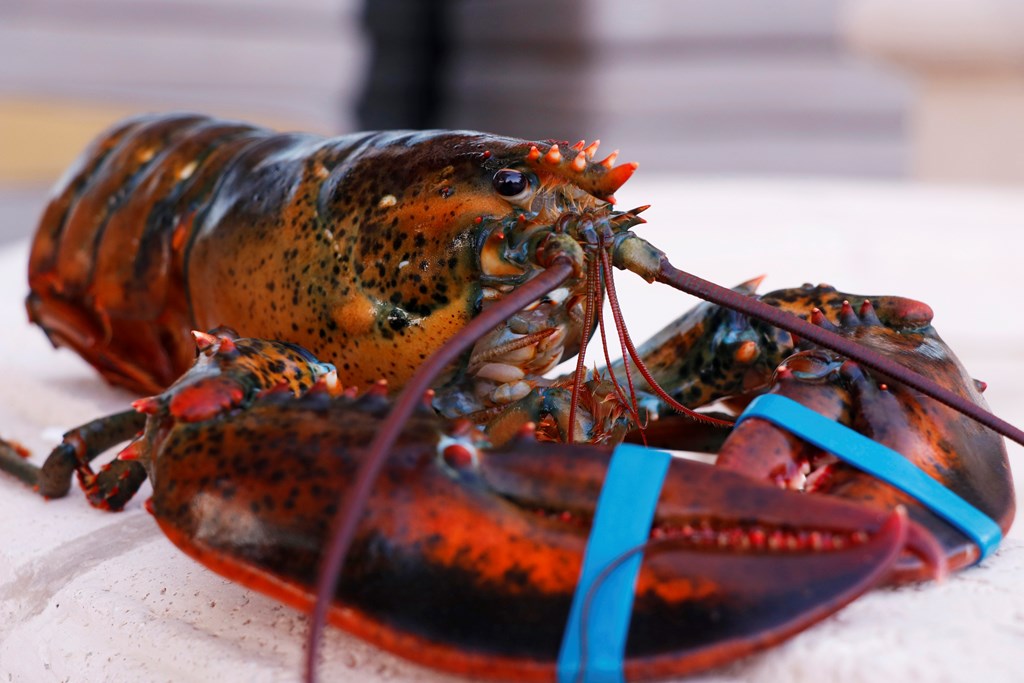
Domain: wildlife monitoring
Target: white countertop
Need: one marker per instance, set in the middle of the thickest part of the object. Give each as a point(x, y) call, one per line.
point(93, 596)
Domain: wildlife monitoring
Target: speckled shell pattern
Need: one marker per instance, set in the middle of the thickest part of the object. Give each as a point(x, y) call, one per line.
point(471, 566)
point(712, 353)
point(967, 458)
point(361, 248)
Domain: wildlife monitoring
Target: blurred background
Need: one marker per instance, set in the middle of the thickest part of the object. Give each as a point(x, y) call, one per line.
point(892, 89)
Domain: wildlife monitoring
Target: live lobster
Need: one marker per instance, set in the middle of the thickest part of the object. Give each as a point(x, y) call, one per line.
point(416, 234)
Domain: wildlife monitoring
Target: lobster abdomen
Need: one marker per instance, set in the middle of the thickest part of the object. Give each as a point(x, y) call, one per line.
point(105, 270)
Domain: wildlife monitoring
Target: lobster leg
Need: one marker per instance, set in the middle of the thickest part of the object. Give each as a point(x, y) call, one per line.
point(114, 485)
point(225, 375)
point(116, 482)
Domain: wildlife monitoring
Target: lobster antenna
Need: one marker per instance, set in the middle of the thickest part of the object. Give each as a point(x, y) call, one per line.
point(620, 326)
point(593, 292)
point(709, 291)
point(345, 521)
point(631, 402)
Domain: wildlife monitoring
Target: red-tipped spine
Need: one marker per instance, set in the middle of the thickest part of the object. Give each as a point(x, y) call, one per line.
point(553, 157)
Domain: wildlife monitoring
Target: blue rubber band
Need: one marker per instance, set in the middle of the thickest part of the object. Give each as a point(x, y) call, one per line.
point(880, 461)
point(622, 521)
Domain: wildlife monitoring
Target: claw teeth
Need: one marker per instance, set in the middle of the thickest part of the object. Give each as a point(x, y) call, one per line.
point(282, 387)
point(554, 156)
point(319, 387)
point(846, 315)
point(591, 149)
point(867, 313)
point(818, 318)
point(579, 145)
point(704, 535)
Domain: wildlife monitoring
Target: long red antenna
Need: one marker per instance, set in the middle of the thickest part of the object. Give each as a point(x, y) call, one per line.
point(634, 409)
point(709, 291)
point(592, 303)
point(620, 326)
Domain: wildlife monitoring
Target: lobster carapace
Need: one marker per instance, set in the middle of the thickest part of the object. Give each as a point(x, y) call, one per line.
point(369, 250)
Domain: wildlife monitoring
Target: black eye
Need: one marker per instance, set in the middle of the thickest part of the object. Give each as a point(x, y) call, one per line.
point(510, 183)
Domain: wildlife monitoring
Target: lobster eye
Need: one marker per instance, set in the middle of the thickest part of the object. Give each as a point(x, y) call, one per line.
point(511, 184)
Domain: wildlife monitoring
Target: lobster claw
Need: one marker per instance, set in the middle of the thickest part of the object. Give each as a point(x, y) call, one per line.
point(467, 559)
point(726, 604)
point(734, 565)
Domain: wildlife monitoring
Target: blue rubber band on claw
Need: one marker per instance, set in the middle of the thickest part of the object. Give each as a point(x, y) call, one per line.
point(622, 522)
point(880, 461)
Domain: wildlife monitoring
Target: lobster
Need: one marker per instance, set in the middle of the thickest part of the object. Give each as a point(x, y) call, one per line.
point(363, 248)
